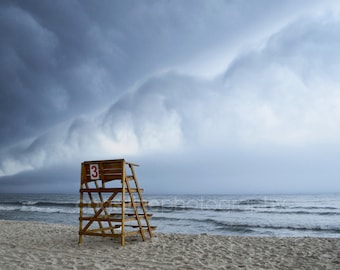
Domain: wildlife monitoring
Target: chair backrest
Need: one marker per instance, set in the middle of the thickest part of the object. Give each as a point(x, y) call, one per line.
point(104, 170)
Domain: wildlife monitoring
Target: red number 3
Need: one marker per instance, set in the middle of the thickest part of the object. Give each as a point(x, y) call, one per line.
point(94, 171)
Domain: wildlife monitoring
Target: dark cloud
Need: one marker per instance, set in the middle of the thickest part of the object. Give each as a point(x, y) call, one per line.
point(69, 57)
point(60, 58)
point(82, 80)
point(51, 66)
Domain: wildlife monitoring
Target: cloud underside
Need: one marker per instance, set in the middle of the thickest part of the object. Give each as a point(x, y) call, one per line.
point(269, 103)
point(265, 97)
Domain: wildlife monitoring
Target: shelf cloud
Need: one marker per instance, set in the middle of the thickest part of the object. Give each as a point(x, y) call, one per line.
point(224, 97)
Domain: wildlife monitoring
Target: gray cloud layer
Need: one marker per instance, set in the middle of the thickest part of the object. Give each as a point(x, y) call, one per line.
point(84, 81)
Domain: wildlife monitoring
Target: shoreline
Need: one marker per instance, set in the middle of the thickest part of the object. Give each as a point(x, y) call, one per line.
point(33, 245)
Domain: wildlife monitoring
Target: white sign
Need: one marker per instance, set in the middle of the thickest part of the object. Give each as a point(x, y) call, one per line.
point(94, 171)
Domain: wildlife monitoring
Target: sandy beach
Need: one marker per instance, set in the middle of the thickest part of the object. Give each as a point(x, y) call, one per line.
point(26, 245)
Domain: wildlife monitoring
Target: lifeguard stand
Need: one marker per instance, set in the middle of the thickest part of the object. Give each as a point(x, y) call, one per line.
point(111, 189)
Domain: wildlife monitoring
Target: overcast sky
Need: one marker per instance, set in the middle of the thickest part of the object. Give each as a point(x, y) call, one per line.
point(207, 96)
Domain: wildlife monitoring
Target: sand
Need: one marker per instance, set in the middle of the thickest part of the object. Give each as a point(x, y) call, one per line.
point(26, 245)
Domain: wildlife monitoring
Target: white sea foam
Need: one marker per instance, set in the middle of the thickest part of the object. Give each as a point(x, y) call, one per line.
point(272, 215)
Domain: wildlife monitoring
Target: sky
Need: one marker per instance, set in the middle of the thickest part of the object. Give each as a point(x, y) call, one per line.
point(226, 97)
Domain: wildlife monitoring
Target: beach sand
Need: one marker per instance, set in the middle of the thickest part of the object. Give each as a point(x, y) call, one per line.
point(26, 245)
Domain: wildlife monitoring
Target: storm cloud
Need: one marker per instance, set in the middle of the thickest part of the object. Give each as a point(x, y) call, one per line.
point(218, 97)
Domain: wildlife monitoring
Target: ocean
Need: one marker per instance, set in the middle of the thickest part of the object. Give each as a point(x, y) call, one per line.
point(243, 215)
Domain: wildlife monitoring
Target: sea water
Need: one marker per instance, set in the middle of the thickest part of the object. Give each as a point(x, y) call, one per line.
point(250, 215)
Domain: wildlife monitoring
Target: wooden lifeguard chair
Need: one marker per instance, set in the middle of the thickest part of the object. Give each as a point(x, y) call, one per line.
point(111, 189)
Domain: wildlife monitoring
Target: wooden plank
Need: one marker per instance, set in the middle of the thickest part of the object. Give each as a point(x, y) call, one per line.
point(101, 230)
point(106, 178)
point(132, 164)
point(108, 190)
point(128, 217)
point(121, 161)
point(112, 164)
point(112, 177)
point(103, 235)
point(118, 235)
point(146, 227)
point(122, 239)
point(97, 233)
point(114, 204)
point(81, 208)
